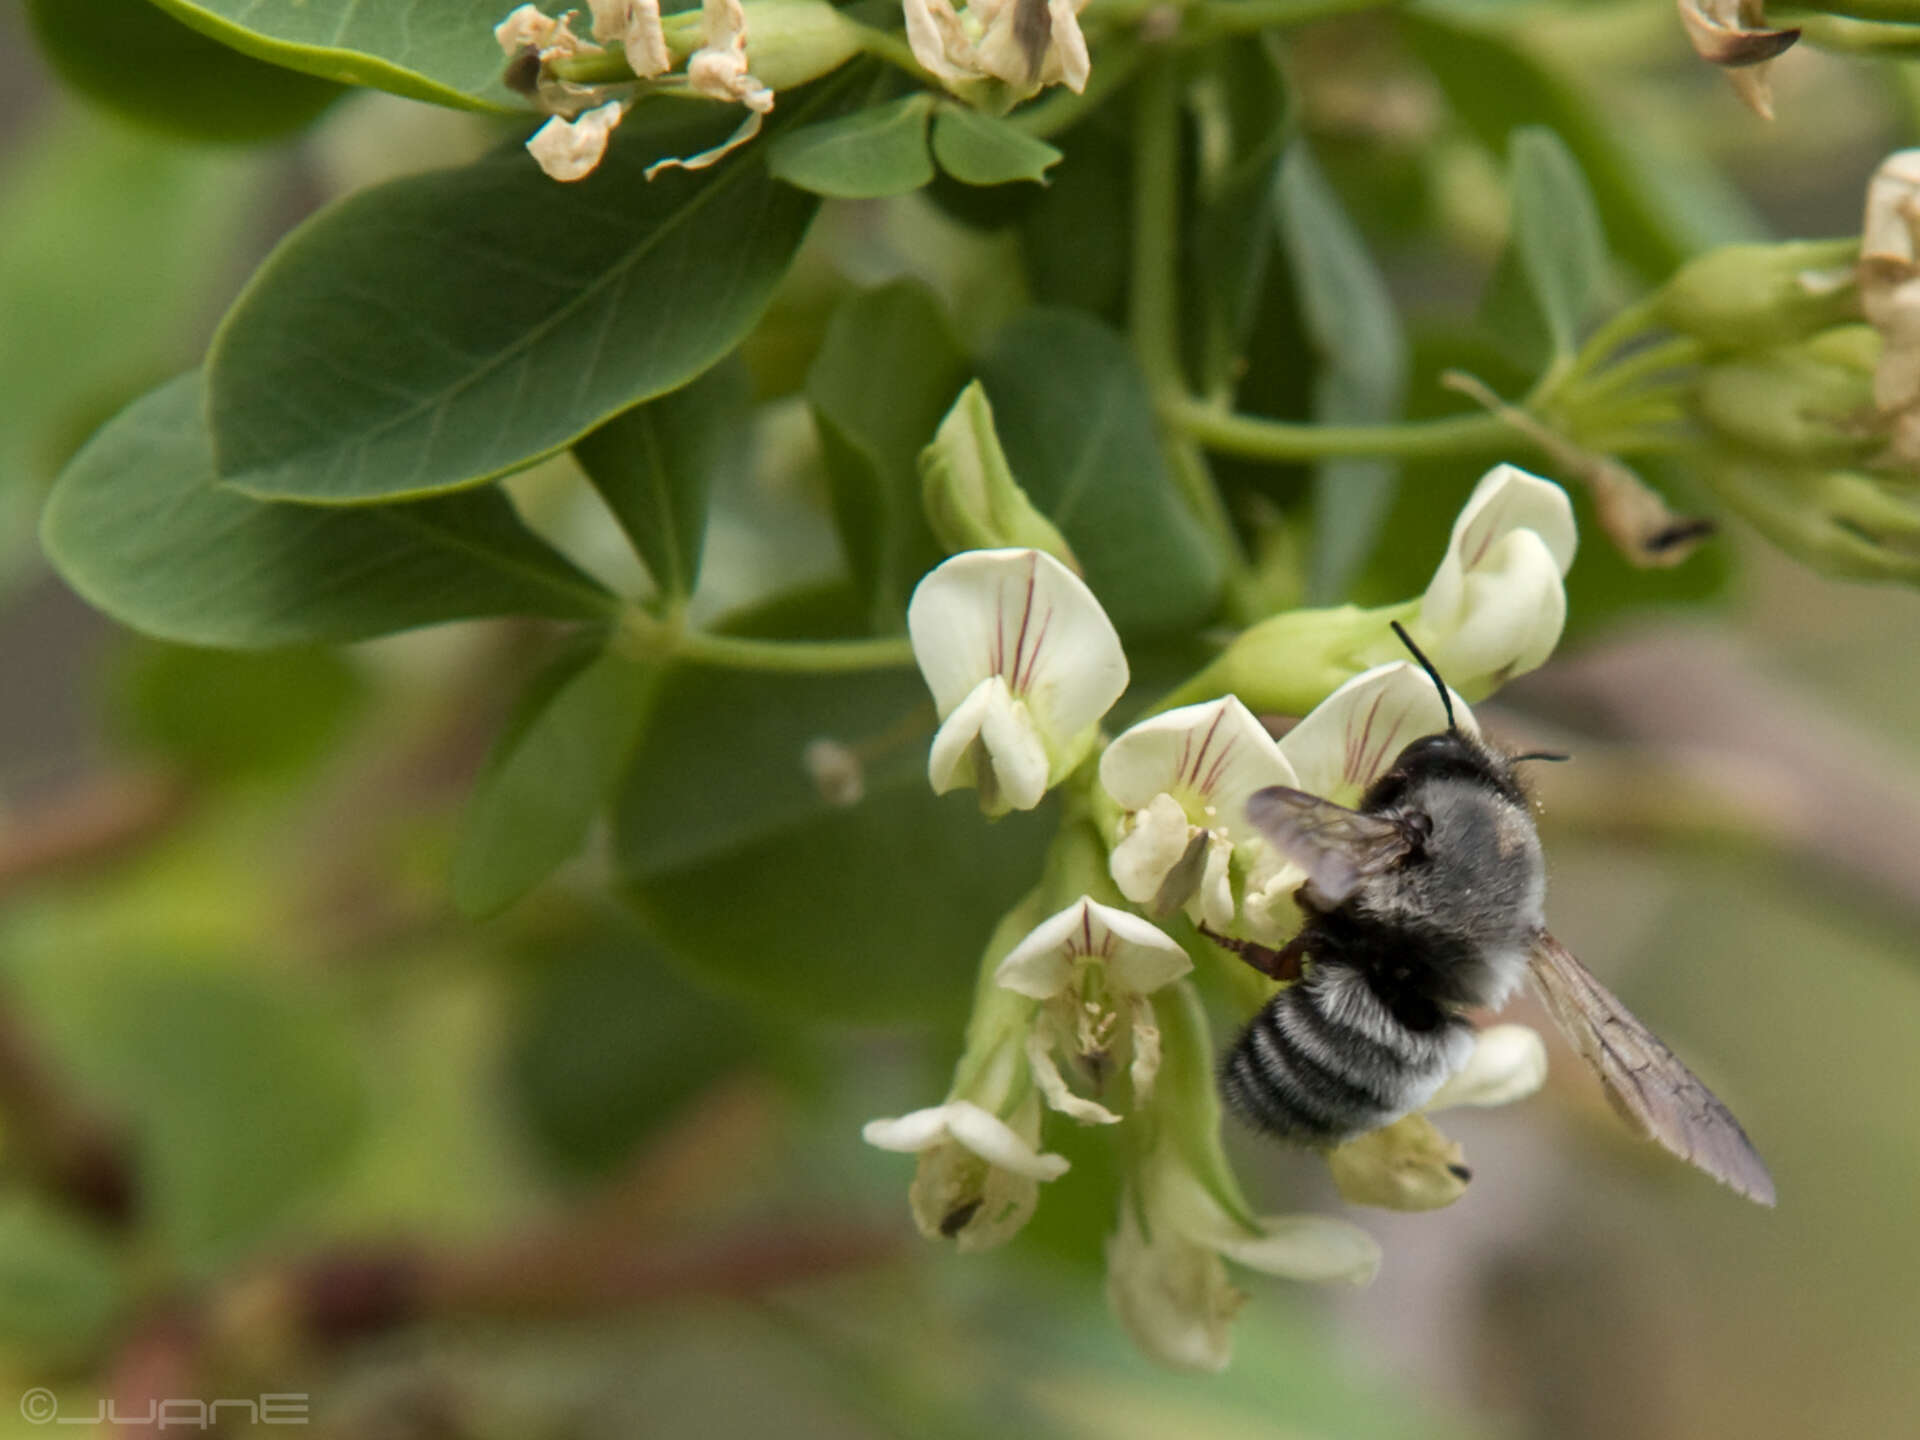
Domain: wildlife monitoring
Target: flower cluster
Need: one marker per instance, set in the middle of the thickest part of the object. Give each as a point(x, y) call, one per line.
point(1086, 1006)
point(811, 37)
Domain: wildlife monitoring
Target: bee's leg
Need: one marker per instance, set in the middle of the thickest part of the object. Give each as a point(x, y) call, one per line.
point(1281, 964)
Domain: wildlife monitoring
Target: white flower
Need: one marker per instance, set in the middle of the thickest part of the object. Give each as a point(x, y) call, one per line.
point(1166, 1272)
point(1183, 778)
point(1022, 663)
point(571, 149)
point(636, 25)
point(1346, 742)
point(1023, 44)
point(1509, 1062)
point(979, 1176)
point(1092, 967)
point(1496, 605)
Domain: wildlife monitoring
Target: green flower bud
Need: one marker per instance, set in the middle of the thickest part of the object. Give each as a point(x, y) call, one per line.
point(793, 41)
point(1853, 523)
point(1742, 297)
point(972, 500)
point(1812, 401)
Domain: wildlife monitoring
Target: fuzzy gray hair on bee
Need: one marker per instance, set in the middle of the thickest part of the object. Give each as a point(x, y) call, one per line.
point(1423, 904)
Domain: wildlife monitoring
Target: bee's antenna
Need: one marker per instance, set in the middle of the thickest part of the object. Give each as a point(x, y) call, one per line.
point(1446, 697)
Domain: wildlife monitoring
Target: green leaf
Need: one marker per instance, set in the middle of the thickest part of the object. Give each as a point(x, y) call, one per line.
point(979, 149)
point(437, 50)
point(547, 779)
point(1663, 199)
point(221, 713)
point(1557, 245)
point(1076, 234)
point(136, 60)
point(447, 328)
point(656, 465)
point(61, 1285)
point(1076, 420)
point(138, 527)
point(1350, 320)
point(871, 153)
point(874, 911)
point(243, 1092)
point(885, 376)
point(127, 314)
point(611, 1043)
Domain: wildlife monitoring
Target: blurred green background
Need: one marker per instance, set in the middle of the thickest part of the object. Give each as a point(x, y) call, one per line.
point(274, 1121)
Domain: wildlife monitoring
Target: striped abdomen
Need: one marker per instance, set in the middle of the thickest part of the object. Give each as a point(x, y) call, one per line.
point(1326, 1060)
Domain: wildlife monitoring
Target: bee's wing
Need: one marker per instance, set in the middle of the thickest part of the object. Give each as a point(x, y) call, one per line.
point(1337, 847)
point(1649, 1087)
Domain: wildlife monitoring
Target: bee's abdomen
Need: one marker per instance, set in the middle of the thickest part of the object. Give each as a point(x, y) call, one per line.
point(1324, 1062)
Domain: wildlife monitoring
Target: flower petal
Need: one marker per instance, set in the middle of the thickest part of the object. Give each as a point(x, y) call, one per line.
point(917, 1130)
point(570, 149)
point(1139, 956)
point(1308, 1247)
point(938, 41)
point(996, 1142)
point(1352, 737)
point(1054, 1087)
point(1408, 1165)
point(1512, 610)
point(1148, 852)
point(990, 729)
point(1509, 1062)
point(1210, 757)
point(1021, 615)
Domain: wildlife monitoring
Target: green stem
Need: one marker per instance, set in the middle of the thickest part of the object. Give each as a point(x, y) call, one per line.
point(668, 639)
point(1625, 325)
point(892, 48)
point(1154, 298)
point(1286, 440)
point(1674, 354)
point(812, 657)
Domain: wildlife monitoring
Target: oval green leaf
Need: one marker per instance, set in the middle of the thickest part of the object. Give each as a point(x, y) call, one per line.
point(1076, 420)
point(546, 780)
point(437, 50)
point(448, 328)
point(137, 525)
point(864, 156)
point(147, 67)
point(656, 465)
point(979, 149)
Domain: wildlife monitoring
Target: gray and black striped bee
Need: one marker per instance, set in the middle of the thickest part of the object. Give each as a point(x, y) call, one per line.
point(1422, 904)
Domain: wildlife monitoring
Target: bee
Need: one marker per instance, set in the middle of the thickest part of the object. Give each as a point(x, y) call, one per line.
point(1424, 903)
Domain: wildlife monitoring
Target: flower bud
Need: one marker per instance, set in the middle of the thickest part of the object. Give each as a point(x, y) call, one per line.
point(972, 500)
point(1408, 1165)
point(1742, 297)
point(794, 41)
point(1812, 401)
point(1854, 523)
